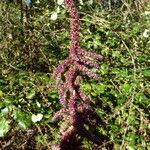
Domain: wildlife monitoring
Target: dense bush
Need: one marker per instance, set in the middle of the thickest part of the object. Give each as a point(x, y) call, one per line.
point(35, 38)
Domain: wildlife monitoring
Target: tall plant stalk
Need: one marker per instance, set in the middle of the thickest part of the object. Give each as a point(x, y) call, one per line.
point(77, 111)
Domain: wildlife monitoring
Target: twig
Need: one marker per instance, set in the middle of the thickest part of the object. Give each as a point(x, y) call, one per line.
point(115, 86)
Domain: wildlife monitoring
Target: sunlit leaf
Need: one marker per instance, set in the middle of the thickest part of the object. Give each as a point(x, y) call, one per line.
point(31, 94)
point(4, 126)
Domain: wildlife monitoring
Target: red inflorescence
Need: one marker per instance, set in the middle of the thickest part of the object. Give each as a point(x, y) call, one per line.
point(76, 105)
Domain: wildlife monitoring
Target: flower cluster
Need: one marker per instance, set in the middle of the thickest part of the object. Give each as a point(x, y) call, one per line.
point(76, 111)
point(75, 23)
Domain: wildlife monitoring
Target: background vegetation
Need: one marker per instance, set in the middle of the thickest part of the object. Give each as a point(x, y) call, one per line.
point(35, 38)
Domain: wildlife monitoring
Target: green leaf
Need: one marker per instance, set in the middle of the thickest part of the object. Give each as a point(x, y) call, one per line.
point(4, 111)
point(99, 88)
point(131, 119)
point(131, 148)
point(140, 148)
point(1, 93)
point(142, 99)
point(8, 101)
point(146, 73)
point(104, 68)
point(22, 124)
point(23, 119)
point(53, 95)
point(116, 54)
point(4, 126)
point(40, 139)
point(86, 87)
point(31, 94)
point(127, 88)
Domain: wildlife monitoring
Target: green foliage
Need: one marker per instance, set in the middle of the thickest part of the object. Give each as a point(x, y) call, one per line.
point(35, 38)
point(4, 127)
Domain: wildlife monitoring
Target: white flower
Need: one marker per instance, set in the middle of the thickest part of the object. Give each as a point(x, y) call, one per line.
point(147, 13)
point(145, 33)
point(54, 16)
point(36, 118)
point(60, 2)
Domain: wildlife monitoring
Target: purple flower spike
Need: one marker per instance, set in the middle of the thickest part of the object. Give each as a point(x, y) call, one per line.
point(76, 112)
point(82, 68)
point(89, 54)
point(62, 96)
